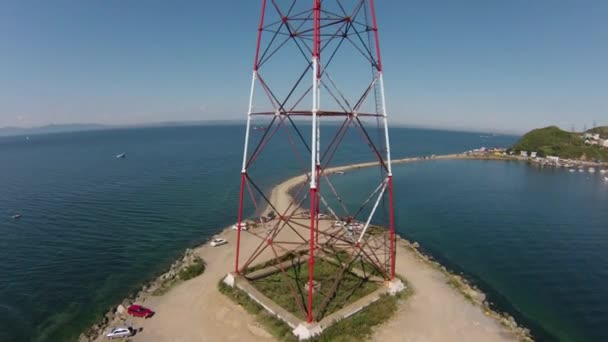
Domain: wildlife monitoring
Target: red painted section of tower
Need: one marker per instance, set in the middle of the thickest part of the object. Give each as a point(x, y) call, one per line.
point(317, 28)
point(318, 205)
point(392, 225)
point(239, 220)
point(311, 260)
point(375, 23)
point(257, 48)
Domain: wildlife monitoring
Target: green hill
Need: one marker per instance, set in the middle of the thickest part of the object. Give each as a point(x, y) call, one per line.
point(602, 130)
point(552, 141)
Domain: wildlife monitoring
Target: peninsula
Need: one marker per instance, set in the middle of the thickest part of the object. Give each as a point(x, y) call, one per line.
point(441, 306)
point(591, 145)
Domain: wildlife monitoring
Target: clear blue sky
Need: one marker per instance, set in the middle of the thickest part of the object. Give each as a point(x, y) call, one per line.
point(471, 64)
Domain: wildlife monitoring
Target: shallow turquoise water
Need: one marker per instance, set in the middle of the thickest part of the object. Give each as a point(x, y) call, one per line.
point(95, 227)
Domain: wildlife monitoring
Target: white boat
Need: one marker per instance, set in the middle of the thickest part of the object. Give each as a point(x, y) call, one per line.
point(16, 216)
point(603, 171)
point(122, 155)
point(339, 172)
point(571, 170)
point(581, 170)
point(591, 170)
point(605, 179)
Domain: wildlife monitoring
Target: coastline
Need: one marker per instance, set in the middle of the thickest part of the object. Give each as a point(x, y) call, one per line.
point(496, 326)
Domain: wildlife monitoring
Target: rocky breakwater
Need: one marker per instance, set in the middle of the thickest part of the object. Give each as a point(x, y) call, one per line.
point(186, 267)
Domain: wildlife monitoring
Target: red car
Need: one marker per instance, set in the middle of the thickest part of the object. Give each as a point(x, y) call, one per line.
point(139, 311)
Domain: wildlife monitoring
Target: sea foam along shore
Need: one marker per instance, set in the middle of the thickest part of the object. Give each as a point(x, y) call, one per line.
point(444, 306)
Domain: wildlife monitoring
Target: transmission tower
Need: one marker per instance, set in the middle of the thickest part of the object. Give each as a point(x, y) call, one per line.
point(317, 60)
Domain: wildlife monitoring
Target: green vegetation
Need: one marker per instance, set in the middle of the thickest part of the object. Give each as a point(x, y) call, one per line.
point(193, 268)
point(552, 141)
point(275, 326)
point(354, 328)
point(602, 131)
point(196, 268)
point(350, 288)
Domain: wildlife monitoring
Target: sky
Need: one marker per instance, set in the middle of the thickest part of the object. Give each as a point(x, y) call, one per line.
point(503, 66)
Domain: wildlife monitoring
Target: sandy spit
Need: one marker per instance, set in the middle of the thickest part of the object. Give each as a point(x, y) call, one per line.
point(195, 311)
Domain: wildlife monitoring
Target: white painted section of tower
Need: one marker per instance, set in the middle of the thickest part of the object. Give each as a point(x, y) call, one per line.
point(318, 123)
point(385, 116)
point(315, 108)
point(369, 219)
point(249, 110)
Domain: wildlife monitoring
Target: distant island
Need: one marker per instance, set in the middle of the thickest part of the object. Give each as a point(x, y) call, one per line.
point(81, 127)
point(591, 145)
point(13, 131)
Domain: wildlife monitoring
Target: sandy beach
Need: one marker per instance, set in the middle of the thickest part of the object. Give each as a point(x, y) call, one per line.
point(196, 311)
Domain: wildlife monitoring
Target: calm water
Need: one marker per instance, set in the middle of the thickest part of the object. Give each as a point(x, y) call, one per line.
point(95, 227)
point(535, 239)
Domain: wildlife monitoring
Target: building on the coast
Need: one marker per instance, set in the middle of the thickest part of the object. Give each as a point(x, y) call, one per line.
point(533, 154)
point(592, 142)
point(591, 136)
point(603, 142)
point(553, 159)
point(523, 153)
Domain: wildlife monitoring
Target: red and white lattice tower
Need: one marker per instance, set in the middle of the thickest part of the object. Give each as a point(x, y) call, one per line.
point(326, 49)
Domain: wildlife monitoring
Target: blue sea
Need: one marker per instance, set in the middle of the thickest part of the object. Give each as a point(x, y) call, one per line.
point(95, 227)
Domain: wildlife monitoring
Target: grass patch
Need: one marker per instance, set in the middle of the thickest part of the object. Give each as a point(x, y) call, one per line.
point(552, 141)
point(350, 288)
point(273, 325)
point(196, 268)
point(354, 328)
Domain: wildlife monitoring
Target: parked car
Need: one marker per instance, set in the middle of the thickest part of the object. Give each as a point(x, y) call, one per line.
point(218, 242)
point(120, 332)
point(139, 311)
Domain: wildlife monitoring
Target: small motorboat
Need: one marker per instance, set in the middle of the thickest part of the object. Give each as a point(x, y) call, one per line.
point(605, 179)
point(603, 171)
point(122, 155)
point(339, 172)
point(591, 170)
point(581, 170)
point(571, 170)
point(16, 216)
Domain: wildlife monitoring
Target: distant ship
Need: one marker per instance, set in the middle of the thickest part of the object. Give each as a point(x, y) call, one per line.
point(339, 172)
point(259, 128)
point(17, 216)
point(122, 155)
